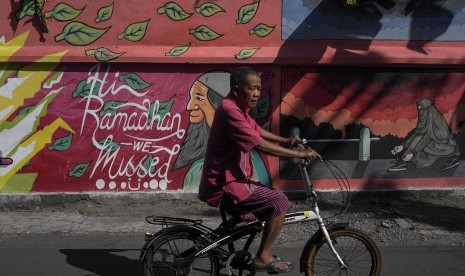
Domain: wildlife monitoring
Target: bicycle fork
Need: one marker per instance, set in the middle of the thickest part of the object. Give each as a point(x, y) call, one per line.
point(312, 193)
point(328, 238)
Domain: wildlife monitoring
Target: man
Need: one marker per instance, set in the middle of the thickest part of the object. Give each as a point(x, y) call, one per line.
point(206, 94)
point(228, 168)
point(429, 142)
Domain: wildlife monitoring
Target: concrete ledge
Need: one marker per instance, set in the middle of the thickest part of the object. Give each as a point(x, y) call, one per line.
point(391, 197)
point(122, 198)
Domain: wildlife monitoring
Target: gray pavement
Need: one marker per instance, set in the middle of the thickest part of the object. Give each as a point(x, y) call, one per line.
point(107, 254)
point(392, 218)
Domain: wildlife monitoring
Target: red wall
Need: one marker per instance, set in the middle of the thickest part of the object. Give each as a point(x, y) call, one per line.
point(73, 99)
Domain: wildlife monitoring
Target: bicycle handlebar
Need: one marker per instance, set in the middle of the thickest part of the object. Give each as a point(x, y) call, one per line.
point(301, 146)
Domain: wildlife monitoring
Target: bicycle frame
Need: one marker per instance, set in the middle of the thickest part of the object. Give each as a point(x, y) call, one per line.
point(250, 229)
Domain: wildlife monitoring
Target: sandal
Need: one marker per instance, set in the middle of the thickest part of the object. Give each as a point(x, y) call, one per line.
point(273, 266)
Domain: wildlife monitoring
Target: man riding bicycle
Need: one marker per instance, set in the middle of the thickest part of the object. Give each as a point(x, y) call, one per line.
point(226, 177)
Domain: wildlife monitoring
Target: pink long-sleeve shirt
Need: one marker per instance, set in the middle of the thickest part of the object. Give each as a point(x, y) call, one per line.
point(228, 163)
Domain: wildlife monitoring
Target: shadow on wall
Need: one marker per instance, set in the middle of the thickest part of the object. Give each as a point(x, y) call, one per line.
point(15, 6)
point(330, 21)
point(331, 24)
point(21, 12)
point(367, 93)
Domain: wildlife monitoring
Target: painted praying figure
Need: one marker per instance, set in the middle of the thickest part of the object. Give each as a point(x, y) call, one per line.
point(429, 142)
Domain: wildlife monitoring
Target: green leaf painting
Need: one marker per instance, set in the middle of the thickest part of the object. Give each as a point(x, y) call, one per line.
point(28, 8)
point(25, 109)
point(208, 9)
point(148, 165)
point(135, 32)
point(108, 144)
point(79, 169)
point(262, 30)
point(160, 109)
point(103, 54)
point(62, 144)
point(204, 33)
point(173, 11)
point(246, 53)
point(64, 12)
point(80, 34)
point(104, 13)
point(111, 107)
point(53, 79)
point(177, 51)
point(247, 12)
point(83, 89)
point(262, 108)
point(134, 81)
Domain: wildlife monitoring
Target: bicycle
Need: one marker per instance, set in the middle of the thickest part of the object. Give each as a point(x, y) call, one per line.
point(188, 247)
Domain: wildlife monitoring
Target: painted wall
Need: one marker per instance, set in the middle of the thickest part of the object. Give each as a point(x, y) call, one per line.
point(99, 128)
point(110, 96)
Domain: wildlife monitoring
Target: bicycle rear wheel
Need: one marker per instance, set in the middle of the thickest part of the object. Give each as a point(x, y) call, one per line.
point(161, 256)
point(356, 249)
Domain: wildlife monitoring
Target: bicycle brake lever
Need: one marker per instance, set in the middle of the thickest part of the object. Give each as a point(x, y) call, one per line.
point(306, 161)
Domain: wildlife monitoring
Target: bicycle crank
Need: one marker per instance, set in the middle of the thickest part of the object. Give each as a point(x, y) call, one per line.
point(239, 263)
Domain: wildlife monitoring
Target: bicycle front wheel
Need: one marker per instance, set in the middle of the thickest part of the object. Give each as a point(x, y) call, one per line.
point(161, 256)
point(356, 249)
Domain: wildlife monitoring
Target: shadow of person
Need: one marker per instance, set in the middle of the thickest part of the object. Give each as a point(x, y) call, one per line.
point(37, 21)
point(103, 262)
point(329, 23)
point(324, 24)
point(432, 11)
point(15, 6)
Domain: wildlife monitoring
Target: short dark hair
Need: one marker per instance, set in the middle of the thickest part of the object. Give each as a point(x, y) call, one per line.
point(239, 76)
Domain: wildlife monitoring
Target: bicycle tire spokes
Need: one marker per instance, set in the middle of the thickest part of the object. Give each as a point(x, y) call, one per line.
point(355, 248)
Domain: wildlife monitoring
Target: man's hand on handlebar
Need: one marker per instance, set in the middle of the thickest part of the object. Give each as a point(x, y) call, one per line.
point(293, 140)
point(310, 153)
point(305, 152)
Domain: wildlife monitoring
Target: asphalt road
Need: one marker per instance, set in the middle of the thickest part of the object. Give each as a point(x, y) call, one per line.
point(117, 255)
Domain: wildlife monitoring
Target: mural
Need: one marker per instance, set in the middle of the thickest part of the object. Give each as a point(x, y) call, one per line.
point(205, 96)
point(374, 19)
point(102, 128)
point(108, 30)
point(372, 31)
point(119, 95)
point(428, 143)
point(383, 123)
point(20, 137)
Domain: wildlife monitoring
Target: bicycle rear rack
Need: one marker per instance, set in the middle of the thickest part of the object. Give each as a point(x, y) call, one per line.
point(166, 222)
point(172, 221)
